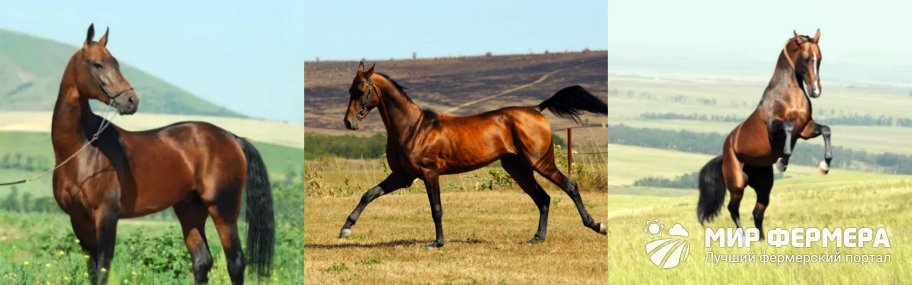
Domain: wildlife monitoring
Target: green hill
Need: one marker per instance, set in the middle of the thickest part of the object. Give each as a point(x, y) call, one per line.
point(31, 67)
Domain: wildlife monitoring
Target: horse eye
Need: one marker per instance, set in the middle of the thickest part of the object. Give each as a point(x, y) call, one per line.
point(97, 65)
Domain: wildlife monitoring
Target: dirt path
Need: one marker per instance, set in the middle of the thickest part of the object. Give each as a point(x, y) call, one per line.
point(505, 92)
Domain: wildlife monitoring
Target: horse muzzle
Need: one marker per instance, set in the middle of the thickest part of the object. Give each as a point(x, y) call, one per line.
point(126, 103)
point(349, 124)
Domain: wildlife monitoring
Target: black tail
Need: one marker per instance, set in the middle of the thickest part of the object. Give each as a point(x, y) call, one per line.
point(712, 190)
point(568, 102)
point(260, 216)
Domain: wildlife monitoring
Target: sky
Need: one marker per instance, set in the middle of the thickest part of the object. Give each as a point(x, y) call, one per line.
point(860, 40)
point(244, 56)
point(249, 55)
point(352, 30)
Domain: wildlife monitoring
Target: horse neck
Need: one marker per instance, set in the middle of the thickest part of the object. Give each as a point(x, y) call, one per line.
point(73, 119)
point(399, 113)
point(783, 76)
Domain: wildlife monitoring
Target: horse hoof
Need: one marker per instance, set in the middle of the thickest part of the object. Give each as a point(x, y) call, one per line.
point(602, 229)
point(781, 166)
point(345, 233)
point(435, 244)
point(535, 240)
point(823, 167)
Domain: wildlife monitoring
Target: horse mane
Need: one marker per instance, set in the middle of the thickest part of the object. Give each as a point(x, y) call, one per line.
point(396, 84)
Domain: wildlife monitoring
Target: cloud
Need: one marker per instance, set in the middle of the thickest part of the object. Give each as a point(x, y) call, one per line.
point(677, 230)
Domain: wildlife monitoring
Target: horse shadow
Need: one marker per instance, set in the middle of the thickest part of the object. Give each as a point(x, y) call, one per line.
point(387, 244)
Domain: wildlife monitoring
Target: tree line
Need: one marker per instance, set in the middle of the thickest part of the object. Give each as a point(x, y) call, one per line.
point(846, 120)
point(804, 154)
point(20, 161)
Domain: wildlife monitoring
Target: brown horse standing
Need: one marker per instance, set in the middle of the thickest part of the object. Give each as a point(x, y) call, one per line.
point(196, 168)
point(768, 135)
point(423, 144)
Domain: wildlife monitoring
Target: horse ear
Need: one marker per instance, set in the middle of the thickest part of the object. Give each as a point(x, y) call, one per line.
point(104, 38)
point(370, 71)
point(817, 37)
point(361, 67)
point(90, 35)
point(798, 39)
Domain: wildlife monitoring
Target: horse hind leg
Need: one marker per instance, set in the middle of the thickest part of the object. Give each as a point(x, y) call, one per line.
point(549, 170)
point(192, 214)
point(224, 209)
point(523, 175)
point(735, 181)
point(762, 182)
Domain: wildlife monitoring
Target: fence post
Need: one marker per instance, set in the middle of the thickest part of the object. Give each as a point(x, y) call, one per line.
point(569, 151)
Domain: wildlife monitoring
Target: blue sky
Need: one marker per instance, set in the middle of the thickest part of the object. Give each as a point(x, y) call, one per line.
point(248, 55)
point(394, 29)
point(244, 56)
point(861, 40)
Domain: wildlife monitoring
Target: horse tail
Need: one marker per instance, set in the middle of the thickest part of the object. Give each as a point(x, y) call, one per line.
point(568, 102)
point(260, 216)
point(712, 190)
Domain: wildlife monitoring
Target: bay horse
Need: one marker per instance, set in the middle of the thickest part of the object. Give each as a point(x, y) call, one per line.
point(767, 135)
point(422, 144)
point(196, 168)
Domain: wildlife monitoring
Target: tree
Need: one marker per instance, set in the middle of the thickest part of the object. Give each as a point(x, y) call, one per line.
point(11, 203)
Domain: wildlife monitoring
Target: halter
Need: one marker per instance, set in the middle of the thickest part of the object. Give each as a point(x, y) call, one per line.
point(111, 98)
point(375, 92)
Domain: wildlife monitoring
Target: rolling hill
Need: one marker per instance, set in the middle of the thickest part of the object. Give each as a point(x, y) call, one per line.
point(456, 85)
point(31, 67)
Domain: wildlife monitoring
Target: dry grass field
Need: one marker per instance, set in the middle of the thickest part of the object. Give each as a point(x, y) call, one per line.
point(286, 134)
point(486, 234)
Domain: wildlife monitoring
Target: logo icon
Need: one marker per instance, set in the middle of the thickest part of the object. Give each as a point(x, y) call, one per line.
point(666, 252)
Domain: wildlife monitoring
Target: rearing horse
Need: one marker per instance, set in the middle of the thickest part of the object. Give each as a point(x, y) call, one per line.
point(767, 135)
point(423, 144)
point(195, 168)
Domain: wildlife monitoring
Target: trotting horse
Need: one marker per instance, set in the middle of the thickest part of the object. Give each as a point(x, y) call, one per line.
point(423, 144)
point(195, 168)
point(769, 134)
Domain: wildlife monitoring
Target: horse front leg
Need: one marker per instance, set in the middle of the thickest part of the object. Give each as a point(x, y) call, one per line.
point(432, 185)
point(106, 230)
point(784, 128)
point(393, 182)
point(813, 130)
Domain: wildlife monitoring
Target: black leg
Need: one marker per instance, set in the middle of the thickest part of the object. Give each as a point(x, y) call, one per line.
point(762, 182)
point(522, 174)
point(782, 129)
point(431, 182)
point(392, 183)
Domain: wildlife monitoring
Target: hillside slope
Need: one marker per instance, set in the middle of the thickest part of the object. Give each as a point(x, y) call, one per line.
point(458, 86)
point(31, 67)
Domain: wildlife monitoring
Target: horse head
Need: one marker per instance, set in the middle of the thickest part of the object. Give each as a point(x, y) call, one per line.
point(364, 96)
point(98, 75)
point(804, 54)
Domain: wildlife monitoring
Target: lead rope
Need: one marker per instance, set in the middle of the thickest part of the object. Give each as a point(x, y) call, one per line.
point(105, 122)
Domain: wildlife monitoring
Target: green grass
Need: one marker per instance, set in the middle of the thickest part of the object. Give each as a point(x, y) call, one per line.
point(838, 200)
point(740, 99)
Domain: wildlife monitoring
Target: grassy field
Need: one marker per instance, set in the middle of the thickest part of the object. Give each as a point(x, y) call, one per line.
point(638, 96)
point(485, 233)
point(41, 249)
point(838, 200)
